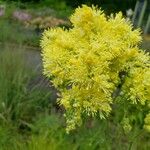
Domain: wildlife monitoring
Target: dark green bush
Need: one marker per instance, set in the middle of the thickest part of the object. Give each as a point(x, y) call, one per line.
point(113, 5)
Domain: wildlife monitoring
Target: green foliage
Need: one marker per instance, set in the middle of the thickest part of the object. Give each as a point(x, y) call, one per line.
point(48, 133)
point(22, 36)
point(108, 5)
point(19, 103)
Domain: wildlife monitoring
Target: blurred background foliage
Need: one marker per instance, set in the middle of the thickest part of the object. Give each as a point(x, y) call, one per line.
point(108, 5)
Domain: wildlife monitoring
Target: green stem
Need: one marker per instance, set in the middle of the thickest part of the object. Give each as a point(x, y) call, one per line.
point(131, 143)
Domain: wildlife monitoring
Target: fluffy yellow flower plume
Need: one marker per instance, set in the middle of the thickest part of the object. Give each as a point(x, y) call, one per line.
point(94, 62)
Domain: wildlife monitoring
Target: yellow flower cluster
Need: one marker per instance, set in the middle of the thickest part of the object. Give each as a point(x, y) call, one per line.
point(126, 125)
point(147, 122)
point(90, 61)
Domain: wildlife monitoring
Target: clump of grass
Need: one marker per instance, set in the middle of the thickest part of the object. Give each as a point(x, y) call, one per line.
point(19, 103)
point(13, 78)
point(14, 32)
point(9, 137)
point(49, 133)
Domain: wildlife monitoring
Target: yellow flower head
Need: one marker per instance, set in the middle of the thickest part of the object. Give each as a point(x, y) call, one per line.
point(89, 61)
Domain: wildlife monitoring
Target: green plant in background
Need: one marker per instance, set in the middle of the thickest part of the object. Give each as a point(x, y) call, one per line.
point(19, 101)
point(13, 77)
point(23, 22)
point(98, 66)
point(22, 36)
